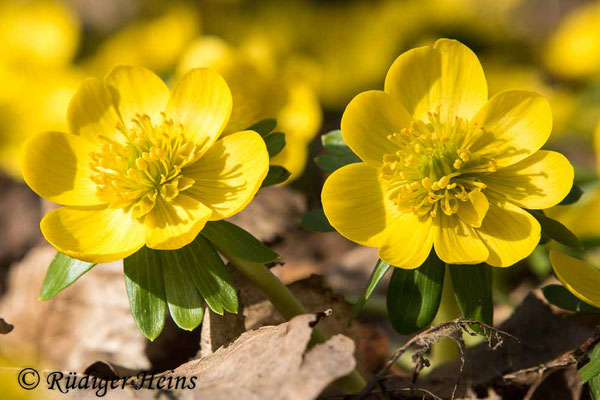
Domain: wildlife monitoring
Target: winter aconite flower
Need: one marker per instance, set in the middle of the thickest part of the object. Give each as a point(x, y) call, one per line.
point(39, 40)
point(573, 50)
point(443, 166)
point(580, 278)
point(583, 217)
point(142, 165)
point(260, 90)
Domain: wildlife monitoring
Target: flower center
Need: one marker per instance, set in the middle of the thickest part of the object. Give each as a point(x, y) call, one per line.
point(434, 167)
point(134, 172)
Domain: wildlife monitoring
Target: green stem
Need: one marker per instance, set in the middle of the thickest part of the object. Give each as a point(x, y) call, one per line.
point(445, 350)
point(289, 306)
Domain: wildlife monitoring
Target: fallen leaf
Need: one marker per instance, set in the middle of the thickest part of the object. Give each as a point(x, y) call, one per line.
point(18, 227)
point(5, 327)
point(86, 322)
point(272, 362)
point(256, 311)
point(274, 212)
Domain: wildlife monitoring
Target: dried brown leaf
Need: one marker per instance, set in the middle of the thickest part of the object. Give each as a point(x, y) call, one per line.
point(88, 321)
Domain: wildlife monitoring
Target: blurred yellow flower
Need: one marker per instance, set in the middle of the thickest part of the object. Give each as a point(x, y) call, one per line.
point(581, 217)
point(31, 103)
point(340, 48)
point(573, 51)
point(39, 39)
point(443, 166)
point(503, 76)
point(19, 371)
point(259, 91)
point(155, 44)
point(142, 165)
point(580, 278)
point(39, 33)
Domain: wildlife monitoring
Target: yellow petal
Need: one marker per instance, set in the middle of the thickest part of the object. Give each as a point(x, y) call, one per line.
point(174, 224)
point(137, 90)
point(56, 166)
point(578, 217)
point(473, 211)
point(201, 101)
point(91, 112)
point(407, 242)
point(292, 157)
point(537, 182)
point(509, 233)
point(368, 120)
point(229, 174)
point(516, 124)
point(93, 234)
point(447, 76)
point(301, 116)
point(580, 278)
point(355, 205)
point(456, 242)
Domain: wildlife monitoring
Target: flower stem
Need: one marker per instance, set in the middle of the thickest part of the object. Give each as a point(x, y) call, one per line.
point(445, 350)
point(289, 306)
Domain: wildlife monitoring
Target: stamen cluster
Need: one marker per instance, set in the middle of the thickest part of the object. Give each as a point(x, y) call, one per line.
point(145, 162)
point(434, 167)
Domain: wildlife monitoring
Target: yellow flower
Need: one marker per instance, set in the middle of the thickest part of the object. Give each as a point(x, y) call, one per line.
point(573, 51)
point(329, 43)
point(260, 92)
point(443, 166)
point(39, 39)
point(580, 278)
point(142, 165)
point(155, 43)
point(30, 103)
point(41, 33)
point(503, 76)
point(582, 217)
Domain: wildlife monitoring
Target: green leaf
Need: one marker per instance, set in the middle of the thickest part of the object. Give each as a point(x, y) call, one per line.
point(555, 230)
point(381, 268)
point(237, 242)
point(183, 297)
point(585, 174)
point(63, 271)
point(595, 381)
point(275, 143)
point(544, 239)
point(413, 295)
point(539, 262)
point(573, 196)
point(263, 127)
point(316, 221)
point(145, 290)
point(277, 174)
point(208, 272)
point(473, 291)
point(340, 155)
point(591, 369)
point(560, 296)
point(329, 163)
point(334, 143)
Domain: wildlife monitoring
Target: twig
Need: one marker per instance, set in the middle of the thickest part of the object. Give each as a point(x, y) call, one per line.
point(423, 341)
point(535, 376)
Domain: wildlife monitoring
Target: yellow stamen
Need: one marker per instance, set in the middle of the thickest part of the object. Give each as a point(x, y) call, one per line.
point(148, 163)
